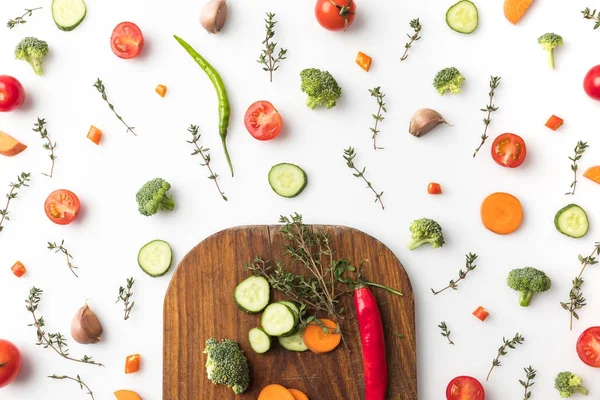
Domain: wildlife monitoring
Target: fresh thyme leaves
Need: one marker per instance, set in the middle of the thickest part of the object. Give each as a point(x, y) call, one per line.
point(445, 331)
point(579, 150)
point(589, 14)
point(376, 92)
point(40, 127)
point(343, 266)
point(21, 20)
point(266, 57)
point(530, 374)
point(125, 294)
point(55, 341)
point(349, 155)
point(21, 181)
point(576, 299)
point(204, 153)
point(401, 336)
point(60, 248)
point(470, 265)
point(489, 108)
point(81, 383)
point(415, 24)
point(503, 350)
point(100, 87)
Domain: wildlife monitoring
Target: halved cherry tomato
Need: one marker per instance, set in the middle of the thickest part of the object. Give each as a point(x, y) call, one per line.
point(12, 94)
point(465, 388)
point(509, 150)
point(263, 121)
point(127, 40)
point(481, 313)
point(335, 15)
point(62, 206)
point(434, 188)
point(10, 362)
point(18, 269)
point(588, 346)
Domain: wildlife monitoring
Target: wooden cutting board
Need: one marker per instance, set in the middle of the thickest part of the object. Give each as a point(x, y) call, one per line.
point(199, 305)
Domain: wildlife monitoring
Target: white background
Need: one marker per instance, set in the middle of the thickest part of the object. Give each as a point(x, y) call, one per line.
point(106, 237)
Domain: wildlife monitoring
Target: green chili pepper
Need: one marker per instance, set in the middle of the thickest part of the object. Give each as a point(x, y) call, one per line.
point(215, 78)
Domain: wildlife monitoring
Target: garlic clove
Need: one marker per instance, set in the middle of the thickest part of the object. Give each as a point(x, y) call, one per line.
point(424, 120)
point(213, 15)
point(86, 327)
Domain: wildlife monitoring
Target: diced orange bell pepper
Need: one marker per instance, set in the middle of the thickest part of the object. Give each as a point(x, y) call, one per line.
point(18, 269)
point(434, 188)
point(94, 134)
point(132, 363)
point(364, 61)
point(481, 313)
point(554, 122)
point(161, 90)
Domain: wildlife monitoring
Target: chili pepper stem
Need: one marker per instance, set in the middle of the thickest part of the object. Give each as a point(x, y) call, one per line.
point(227, 154)
point(389, 289)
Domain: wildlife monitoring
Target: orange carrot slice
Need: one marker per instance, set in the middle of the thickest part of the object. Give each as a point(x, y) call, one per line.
point(94, 134)
point(515, 9)
point(322, 338)
point(9, 146)
point(161, 90)
point(127, 395)
point(298, 395)
point(275, 392)
point(593, 173)
point(501, 213)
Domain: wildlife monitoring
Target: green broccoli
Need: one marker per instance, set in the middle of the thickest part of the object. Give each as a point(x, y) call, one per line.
point(448, 80)
point(528, 281)
point(153, 197)
point(549, 41)
point(426, 231)
point(321, 87)
point(32, 50)
point(567, 383)
point(227, 365)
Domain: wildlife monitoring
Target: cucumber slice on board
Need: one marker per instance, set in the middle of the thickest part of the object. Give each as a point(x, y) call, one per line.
point(252, 294)
point(572, 221)
point(278, 320)
point(68, 14)
point(292, 306)
point(293, 343)
point(259, 340)
point(155, 258)
point(287, 180)
point(463, 17)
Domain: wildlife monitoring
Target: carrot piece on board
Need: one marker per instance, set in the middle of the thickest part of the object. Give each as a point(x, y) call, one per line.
point(161, 90)
point(132, 363)
point(275, 392)
point(515, 9)
point(298, 395)
point(481, 313)
point(18, 269)
point(501, 213)
point(555, 122)
point(322, 338)
point(593, 173)
point(364, 61)
point(127, 395)
point(94, 134)
point(9, 146)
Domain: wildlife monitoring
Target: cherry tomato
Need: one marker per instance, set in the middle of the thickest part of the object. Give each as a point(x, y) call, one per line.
point(335, 15)
point(62, 207)
point(588, 346)
point(10, 362)
point(127, 40)
point(263, 121)
point(591, 83)
point(509, 150)
point(12, 94)
point(465, 388)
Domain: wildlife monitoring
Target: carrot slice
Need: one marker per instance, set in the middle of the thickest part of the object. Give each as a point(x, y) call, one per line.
point(318, 340)
point(275, 392)
point(94, 134)
point(298, 395)
point(593, 173)
point(501, 213)
point(364, 61)
point(127, 395)
point(515, 9)
point(161, 90)
point(9, 146)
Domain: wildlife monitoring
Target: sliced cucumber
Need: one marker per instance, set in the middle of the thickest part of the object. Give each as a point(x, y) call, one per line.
point(259, 340)
point(278, 320)
point(252, 294)
point(155, 258)
point(572, 221)
point(463, 17)
point(292, 306)
point(293, 343)
point(68, 14)
point(287, 180)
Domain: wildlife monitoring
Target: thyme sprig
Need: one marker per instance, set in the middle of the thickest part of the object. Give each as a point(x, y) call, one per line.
point(81, 383)
point(125, 295)
point(376, 92)
point(415, 24)
point(503, 350)
point(266, 57)
point(52, 246)
point(579, 150)
point(21, 19)
point(470, 266)
point(55, 341)
point(204, 153)
point(100, 87)
point(22, 180)
point(349, 155)
point(445, 331)
point(589, 14)
point(40, 127)
point(489, 108)
point(530, 375)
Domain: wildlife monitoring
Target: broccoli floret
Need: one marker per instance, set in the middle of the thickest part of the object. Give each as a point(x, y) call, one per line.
point(426, 231)
point(549, 41)
point(567, 383)
point(227, 365)
point(448, 80)
point(33, 51)
point(528, 281)
point(153, 197)
point(321, 87)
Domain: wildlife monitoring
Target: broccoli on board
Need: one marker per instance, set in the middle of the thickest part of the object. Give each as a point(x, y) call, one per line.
point(528, 281)
point(549, 41)
point(227, 365)
point(426, 230)
point(32, 50)
point(321, 88)
point(153, 197)
point(568, 383)
point(448, 80)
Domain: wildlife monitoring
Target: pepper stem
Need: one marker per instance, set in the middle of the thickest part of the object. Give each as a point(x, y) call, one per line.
point(227, 154)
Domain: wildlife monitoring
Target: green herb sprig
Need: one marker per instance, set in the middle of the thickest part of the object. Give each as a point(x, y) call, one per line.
point(21, 20)
point(52, 246)
point(22, 180)
point(470, 266)
point(125, 295)
point(489, 108)
point(81, 383)
point(589, 14)
point(204, 153)
point(579, 150)
point(376, 92)
point(445, 331)
point(415, 24)
point(40, 127)
point(349, 155)
point(530, 375)
point(100, 87)
point(266, 58)
point(503, 350)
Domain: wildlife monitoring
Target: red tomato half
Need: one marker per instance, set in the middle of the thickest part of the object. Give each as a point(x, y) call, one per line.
point(10, 362)
point(12, 94)
point(509, 150)
point(263, 121)
point(127, 40)
point(588, 346)
point(591, 83)
point(465, 388)
point(335, 15)
point(62, 207)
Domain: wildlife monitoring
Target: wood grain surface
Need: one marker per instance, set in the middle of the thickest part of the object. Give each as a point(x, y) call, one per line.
point(199, 305)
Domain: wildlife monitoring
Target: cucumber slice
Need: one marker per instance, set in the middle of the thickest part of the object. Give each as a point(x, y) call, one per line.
point(463, 17)
point(278, 319)
point(252, 294)
point(259, 340)
point(293, 343)
point(572, 221)
point(68, 14)
point(155, 258)
point(287, 180)
point(292, 306)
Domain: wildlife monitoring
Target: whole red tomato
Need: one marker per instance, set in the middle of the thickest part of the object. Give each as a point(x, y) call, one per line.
point(335, 15)
point(10, 362)
point(591, 83)
point(12, 94)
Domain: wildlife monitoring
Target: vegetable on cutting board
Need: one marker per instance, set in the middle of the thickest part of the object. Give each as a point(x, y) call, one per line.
point(10, 362)
point(127, 395)
point(322, 337)
point(567, 384)
point(9, 146)
point(279, 320)
point(32, 50)
point(434, 188)
point(293, 342)
point(501, 213)
point(321, 88)
point(62, 206)
point(465, 388)
point(298, 395)
point(161, 90)
point(593, 174)
point(18, 269)
point(127, 40)
point(424, 120)
point(132, 363)
point(515, 9)
point(86, 327)
point(448, 80)
point(287, 180)
point(155, 258)
point(588, 347)
point(227, 365)
point(153, 197)
point(259, 340)
point(363, 61)
point(554, 122)
point(94, 134)
point(213, 15)
point(252, 294)
point(424, 231)
point(509, 150)
point(335, 15)
point(263, 121)
point(481, 313)
point(68, 14)
point(275, 392)
point(528, 281)
point(463, 17)
point(572, 221)
point(549, 42)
